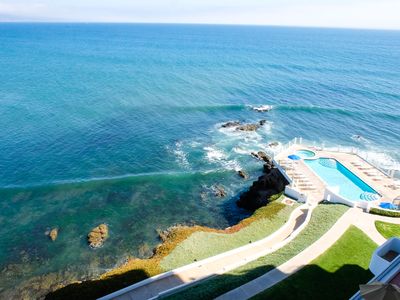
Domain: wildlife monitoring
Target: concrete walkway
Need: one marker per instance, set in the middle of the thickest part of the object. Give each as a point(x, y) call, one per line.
point(169, 282)
point(354, 216)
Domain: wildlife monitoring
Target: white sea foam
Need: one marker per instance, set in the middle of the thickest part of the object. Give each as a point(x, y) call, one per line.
point(261, 107)
point(214, 154)
point(381, 159)
point(240, 150)
point(232, 165)
point(181, 156)
point(218, 156)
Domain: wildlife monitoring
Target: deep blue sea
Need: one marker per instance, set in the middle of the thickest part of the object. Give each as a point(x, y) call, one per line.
point(121, 124)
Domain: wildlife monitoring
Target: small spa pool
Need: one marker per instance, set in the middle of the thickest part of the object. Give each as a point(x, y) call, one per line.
point(305, 153)
point(341, 180)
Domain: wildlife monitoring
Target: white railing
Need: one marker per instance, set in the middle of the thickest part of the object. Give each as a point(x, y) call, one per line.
point(390, 172)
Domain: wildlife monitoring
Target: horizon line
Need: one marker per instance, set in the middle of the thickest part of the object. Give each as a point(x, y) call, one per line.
point(200, 24)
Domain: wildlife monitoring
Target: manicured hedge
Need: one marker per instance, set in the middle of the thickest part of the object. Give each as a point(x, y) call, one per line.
point(386, 213)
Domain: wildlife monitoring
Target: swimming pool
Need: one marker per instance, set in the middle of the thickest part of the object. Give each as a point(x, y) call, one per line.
point(305, 153)
point(341, 180)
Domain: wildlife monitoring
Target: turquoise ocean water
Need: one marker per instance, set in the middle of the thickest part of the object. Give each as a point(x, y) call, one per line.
point(120, 124)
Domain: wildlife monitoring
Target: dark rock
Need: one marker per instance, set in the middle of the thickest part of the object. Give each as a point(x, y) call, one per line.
point(273, 144)
point(243, 174)
point(248, 127)
point(262, 155)
point(268, 167)
point(97, 236)
point(230, 124)
point(255, 155)
point(262, 122)
point(259, 193)
point(219, 191)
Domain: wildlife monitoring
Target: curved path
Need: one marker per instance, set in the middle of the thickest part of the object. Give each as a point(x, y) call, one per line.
point(354, 216)
point(170, 282)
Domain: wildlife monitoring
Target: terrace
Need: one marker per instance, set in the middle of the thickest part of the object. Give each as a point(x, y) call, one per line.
point(307, 184)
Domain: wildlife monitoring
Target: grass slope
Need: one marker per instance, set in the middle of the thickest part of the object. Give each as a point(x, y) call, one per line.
point(135, 270)
point(335, 274)
point(323, 217)
point(203, 244)
point(387, 230)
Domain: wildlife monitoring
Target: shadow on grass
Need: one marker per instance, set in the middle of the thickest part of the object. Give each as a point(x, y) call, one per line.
point(94, 289)
point(314, 282)
point(311, 282)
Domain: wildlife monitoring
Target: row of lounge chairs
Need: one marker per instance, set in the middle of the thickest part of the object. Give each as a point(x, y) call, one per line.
point(369, 171)
point(376, 174)
point(302, 182)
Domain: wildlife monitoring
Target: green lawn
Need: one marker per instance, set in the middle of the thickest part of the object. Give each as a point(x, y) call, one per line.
point(336, 274)
point(323, 217)
point(388, 230)
point(202, 244)
point(262, 222)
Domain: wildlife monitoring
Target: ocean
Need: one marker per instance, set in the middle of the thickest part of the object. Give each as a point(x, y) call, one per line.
point(121, 124)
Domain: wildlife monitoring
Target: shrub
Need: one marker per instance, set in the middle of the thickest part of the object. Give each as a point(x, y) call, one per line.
point(383, 212)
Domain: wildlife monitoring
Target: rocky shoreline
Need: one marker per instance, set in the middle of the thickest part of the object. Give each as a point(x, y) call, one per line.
point(261, 192)
point(267, 185)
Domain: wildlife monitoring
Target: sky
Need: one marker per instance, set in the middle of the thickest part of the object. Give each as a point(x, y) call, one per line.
point(378, 14)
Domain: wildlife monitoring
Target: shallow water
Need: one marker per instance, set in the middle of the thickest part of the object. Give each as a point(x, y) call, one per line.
point(121, 124)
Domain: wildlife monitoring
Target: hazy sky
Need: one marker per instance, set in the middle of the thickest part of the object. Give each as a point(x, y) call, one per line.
point(326, 13)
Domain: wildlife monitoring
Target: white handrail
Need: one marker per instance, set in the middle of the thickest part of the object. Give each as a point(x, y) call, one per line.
point(390, 172)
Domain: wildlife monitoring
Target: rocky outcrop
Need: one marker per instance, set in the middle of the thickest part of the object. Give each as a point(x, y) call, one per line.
point(262, 156)
point(243, 174)
point(52, 234)
point(267, 167)
point(231, 124)
point(273, 144)
point(97, 236)
point(243, 127)
point(271, 183)
point(248, 127)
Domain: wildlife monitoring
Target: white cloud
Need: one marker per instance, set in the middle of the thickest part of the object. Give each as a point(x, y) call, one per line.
point(326, 13)
point(21, 9)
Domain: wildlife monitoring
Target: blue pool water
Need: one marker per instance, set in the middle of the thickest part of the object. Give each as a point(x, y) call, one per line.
point(121, 124)
point(305, 153)
point(342, 180)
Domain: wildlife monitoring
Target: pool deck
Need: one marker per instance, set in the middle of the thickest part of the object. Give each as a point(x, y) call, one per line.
point(309, 183)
